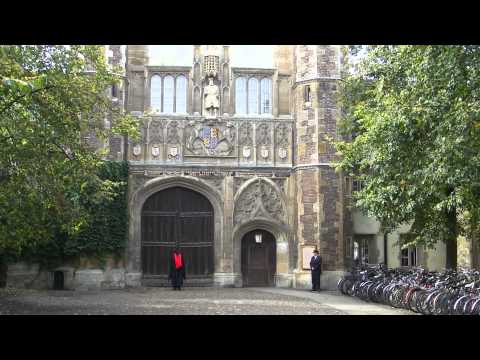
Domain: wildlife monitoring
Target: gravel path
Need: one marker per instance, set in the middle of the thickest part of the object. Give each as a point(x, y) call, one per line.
point(191, 301)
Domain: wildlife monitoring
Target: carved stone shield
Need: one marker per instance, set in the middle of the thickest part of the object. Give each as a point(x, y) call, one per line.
point(282, 152)
point(137, 150)
point(173, 151)
point(264, 152)
point(247, 151)
point(155, 150)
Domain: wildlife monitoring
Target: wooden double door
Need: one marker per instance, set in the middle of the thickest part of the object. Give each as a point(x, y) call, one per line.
point(258, 259)
point(177, 217)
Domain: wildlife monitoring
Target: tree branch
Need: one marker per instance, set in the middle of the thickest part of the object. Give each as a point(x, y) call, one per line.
point(11, 103)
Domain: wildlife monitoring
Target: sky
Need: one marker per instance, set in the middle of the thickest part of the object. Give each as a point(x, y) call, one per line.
point(259, 56)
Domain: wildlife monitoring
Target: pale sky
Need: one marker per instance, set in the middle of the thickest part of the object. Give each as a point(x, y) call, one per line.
point(259, 56)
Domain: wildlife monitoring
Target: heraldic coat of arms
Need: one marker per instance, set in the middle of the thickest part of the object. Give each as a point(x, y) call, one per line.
point(210, 140)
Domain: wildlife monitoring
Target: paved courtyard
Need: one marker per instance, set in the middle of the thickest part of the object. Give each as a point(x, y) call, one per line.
point(190, 301)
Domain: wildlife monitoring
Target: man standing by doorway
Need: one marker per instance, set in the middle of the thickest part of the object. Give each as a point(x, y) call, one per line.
point(316, 267)
point(177, 269)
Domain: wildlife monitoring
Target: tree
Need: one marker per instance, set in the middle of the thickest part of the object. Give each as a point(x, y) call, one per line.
point(415, 114)
point(51, 97)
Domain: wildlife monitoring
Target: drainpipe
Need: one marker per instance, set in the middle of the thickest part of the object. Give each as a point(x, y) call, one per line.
point(385, 250)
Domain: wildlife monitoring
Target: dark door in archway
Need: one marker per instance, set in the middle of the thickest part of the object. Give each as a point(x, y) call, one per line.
point(177, 217)
point(258, 259)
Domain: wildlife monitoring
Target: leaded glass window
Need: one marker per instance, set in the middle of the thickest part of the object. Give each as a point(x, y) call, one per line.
point(253, 96)
point(266, 96)
point(181, 95)
point(240, 96)
point(168, 94)
point(156, 93)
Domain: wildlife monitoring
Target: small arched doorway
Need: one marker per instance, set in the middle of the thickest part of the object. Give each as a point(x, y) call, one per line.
point(177, 217)
point(259, 260)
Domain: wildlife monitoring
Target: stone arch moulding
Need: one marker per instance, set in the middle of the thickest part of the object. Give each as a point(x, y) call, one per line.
point(282, 234)
point(259, 197)
point(138, 198)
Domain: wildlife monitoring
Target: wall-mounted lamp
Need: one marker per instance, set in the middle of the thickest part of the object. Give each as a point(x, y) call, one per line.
point(258, 238)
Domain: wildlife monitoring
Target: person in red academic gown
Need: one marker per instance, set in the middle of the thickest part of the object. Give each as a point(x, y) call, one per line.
point(177, 269)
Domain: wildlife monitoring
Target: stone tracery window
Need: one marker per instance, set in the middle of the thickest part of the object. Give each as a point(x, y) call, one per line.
point(253, 96)
point(168, 94)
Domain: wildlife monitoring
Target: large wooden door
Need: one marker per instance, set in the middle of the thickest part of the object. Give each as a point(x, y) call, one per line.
point(258, 259)
point(177, 217)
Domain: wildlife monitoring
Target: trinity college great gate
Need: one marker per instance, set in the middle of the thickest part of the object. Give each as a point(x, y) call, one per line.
point(233, 167)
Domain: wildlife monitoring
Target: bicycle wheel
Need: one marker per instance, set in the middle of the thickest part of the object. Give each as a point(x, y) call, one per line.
point(459, 304)
point(429, 302)
point(421, 303)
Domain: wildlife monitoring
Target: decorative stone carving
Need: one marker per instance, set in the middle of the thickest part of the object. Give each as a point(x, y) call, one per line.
point(172, 133)
point(137, 150)
point(282, 153)
point(259, 199)
point(237, 182)
point(247, 152)
point(211, 96)
point(173, 153)
point(137, 181)
point(217, 183)
point(155, 132)
point(263, 134)
point(245, 134)
point(282, 135)
point(264, 152)
point(155, 150)
point(210, 140)
point(280, 183)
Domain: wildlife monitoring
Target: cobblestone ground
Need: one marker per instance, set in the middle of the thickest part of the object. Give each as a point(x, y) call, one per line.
point(191, 301)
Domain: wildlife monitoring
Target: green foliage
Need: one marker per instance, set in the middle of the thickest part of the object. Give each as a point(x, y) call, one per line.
point(102, 235)
point(51, 97)
point(415, 113)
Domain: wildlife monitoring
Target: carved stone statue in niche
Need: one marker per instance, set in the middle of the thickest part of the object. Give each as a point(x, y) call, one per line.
point(211, 99)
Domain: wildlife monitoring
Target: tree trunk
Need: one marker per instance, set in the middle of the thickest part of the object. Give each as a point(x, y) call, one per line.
point(451, 240)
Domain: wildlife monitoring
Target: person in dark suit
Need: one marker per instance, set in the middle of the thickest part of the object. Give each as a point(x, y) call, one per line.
point(316, 267)
point(177, 269)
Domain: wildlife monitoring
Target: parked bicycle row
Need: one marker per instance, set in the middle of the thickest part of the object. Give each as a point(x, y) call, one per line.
point(416, 289)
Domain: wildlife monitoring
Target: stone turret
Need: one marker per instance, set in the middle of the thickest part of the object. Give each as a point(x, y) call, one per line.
point(319, 190)
point(137, 59)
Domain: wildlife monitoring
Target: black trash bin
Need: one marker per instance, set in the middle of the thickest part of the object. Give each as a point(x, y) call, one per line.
point(58, 280)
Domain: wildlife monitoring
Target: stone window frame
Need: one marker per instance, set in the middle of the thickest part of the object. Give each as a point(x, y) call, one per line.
point(175, 72)
point(259, 75)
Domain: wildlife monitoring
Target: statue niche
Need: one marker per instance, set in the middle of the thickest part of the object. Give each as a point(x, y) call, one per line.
point(211, 91)
point(211, 96)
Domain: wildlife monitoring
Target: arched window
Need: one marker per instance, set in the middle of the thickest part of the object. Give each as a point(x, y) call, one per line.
point(181, 95)
point(266, 96)
point(240, 96)
point(156, 93)
point(168, 92)
point(253, 96)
